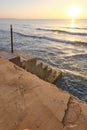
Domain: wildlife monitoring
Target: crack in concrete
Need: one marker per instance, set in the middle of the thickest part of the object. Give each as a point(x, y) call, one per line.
point(72, 113)
point(63, 121)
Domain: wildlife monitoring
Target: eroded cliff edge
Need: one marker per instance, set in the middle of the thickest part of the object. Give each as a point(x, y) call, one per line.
point(27, 102)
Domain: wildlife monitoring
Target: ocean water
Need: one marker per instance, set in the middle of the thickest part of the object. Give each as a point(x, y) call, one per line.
point(59, 43)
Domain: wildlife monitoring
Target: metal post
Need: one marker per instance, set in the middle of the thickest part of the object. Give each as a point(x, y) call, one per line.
point(11, 30)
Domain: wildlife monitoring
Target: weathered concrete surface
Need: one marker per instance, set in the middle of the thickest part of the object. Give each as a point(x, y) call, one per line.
point(43, 71)
point(11, 97)
point(76, 115)
point(35, 104)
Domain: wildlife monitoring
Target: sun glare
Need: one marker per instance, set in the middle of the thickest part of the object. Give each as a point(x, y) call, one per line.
point(73, 12)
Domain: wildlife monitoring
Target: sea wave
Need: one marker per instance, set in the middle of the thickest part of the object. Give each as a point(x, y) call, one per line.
point(63, 31)
point(3, 31)
point(75, 73)
point(46, 38)
point(78, 56)
point(52, 39)
point(79, 28)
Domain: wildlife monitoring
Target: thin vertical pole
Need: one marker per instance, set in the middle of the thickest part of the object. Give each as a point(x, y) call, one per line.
point(11, 30)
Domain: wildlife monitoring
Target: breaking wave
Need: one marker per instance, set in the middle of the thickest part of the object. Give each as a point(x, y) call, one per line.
point(47, 38)
point(64, 32)
point(52, 39)
point(79, 28)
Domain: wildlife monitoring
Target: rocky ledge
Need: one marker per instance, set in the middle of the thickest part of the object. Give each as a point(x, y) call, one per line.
point(33, 65)
point(29, 103)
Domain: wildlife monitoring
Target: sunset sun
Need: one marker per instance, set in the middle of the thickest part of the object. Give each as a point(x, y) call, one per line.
point(73, 12)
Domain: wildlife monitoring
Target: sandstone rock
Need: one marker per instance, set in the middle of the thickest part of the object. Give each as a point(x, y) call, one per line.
point(37, 94)
point(76, 115)
point(11, 97)
point(31, 64)
point(43, 71)
point(27, 102)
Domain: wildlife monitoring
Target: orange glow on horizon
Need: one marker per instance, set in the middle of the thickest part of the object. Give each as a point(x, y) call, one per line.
point(43, 9)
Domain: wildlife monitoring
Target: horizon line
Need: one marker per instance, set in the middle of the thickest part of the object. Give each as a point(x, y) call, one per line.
point(46, 18)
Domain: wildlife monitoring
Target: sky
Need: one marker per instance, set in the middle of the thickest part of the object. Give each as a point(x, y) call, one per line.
point(43, 9)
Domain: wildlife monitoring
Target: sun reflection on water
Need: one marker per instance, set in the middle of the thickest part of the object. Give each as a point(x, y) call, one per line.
point(73, 24)
point(72, 29)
